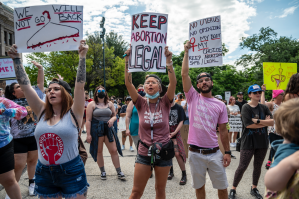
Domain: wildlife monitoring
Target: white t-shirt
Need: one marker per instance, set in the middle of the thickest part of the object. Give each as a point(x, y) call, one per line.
point(183, 104)
point(234, 108)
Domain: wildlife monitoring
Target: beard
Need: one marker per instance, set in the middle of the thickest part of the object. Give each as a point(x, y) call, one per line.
point(206, 91)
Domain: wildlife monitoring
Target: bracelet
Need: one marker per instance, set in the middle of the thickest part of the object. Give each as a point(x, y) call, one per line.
point(16, 58)
point(170, 64)
point(263, 90)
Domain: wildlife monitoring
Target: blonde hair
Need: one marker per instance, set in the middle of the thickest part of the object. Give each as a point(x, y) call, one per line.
point(287, 120)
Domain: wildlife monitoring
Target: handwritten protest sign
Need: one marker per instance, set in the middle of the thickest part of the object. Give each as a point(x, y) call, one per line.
point(48, 28)
point(148, 40)
point(206, 43)
point(235, 124)
point(7, 70)
point(277, 75)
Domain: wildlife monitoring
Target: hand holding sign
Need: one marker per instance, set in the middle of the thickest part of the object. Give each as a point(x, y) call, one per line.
point(168, 55)
point(83, 48)
point(187, 46)
point(13, 52)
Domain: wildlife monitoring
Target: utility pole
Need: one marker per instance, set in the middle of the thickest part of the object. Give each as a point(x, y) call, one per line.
point(102, 35)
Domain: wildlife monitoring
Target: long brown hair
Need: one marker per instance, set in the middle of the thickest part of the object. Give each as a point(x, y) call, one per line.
point(66, 101)
point(95, 95)
point(292, 87)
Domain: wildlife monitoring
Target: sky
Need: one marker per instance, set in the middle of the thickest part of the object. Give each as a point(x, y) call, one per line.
point(239, 18)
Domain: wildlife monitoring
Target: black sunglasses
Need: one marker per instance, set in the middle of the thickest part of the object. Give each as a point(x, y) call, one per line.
point(258, 92)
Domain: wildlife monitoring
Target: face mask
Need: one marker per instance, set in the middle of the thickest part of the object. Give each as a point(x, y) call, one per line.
point(142, 93)
point(153, 96)
point(101, 95)
point(181, 96)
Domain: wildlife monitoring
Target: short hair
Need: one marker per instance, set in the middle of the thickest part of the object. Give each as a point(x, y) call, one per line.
point(287, 120)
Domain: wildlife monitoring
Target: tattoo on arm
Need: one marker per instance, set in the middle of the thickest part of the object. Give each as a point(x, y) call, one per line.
point(20, 73)
point(130, 78)
point(81, 73)
point(127, 66)
point(168, 69)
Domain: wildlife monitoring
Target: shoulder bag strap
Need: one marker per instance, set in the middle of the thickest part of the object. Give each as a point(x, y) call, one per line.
point(41, 115)
point(74, 117)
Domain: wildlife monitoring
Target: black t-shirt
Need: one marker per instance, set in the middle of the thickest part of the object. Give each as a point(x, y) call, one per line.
point(123, 109)
point(177, 114)
point(120, 104)
point(254, 138)
point(240, 104)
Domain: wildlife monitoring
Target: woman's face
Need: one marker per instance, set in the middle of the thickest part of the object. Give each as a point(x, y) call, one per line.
point(54, 94)
point(233, 101)
point(151, 86)
point(101, 90)
point(255, 95)
point(18, 92)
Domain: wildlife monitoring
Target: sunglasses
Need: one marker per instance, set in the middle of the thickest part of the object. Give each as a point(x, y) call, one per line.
point(206, 80)
point(258, 92)
point(140, 90)
point(101, 91)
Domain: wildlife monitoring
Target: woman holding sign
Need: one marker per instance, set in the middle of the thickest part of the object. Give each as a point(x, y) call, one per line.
point(153, 114)
point(60, 171)
point(233, 119)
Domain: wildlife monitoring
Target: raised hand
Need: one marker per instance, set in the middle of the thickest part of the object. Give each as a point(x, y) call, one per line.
point(38, 65)
point(187, 46)
point(59, 77)
point(83, 48)
point(168, 55)
point(13, 52)
point(128, 52)
point(263, 87)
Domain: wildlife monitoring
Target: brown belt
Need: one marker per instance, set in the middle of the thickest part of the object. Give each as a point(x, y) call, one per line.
point(204, 151)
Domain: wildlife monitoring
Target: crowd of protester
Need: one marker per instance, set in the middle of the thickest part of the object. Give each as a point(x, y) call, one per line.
point(43, 132)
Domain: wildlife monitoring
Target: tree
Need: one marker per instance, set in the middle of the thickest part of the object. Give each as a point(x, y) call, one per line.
point(117, 42)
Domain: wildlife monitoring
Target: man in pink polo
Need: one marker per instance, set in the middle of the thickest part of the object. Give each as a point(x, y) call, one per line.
point(205, 112)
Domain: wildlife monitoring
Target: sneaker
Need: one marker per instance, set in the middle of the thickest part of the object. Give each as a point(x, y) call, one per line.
point(232, 194)
point(7, 197)
point(121, 176)
point(83, 131)
point(183, 180)
point(103, 176)
point(231, 144)
point(31, 189)
point(123, 147)
point(170, 176)
point(268, 164)
point(131, 149)
point(256, 193)
point(233, 157)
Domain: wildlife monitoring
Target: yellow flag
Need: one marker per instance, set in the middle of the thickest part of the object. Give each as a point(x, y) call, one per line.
point(277, 75)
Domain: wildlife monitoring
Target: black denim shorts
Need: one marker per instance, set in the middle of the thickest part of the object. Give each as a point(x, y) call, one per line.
point(146, 160)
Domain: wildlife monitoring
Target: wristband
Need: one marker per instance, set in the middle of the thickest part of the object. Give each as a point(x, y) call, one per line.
point(170, 64)
point(228, 152)
point(16, 58)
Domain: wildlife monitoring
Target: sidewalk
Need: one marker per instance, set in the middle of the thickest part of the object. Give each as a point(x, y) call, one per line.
point(113, 188)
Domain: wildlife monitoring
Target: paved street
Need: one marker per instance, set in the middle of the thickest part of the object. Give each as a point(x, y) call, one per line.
point(113, 188)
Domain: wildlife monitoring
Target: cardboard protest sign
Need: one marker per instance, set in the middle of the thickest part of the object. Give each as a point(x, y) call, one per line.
point(48, 28)
point(7, 70)
point(148, 40)
point(277, 75)
point(206, 43)
point(235, 123)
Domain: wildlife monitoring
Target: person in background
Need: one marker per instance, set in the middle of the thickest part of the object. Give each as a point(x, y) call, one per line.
point(277, 95)
point(256, 118)
point(240, 101)
point(87, 101)
point(100, 116)
point(122, 125)
point(184, 104)
point(176, 120)
point(1, 92)
point(24, 142)
point(205, 112)
point(119, 105)
point(180, 98)
point(8, 110)
point(234, 112)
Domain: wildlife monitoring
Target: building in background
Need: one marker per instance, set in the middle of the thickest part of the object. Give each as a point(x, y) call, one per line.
point(7, 36)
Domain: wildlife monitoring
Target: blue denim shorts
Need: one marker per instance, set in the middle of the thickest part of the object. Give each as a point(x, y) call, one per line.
point(146, 160)
point(66, 180)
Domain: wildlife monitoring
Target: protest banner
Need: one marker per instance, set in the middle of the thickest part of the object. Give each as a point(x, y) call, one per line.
point(48, 28)
point(148, 40)
point(235, 123)
point(7, 70)
point(206, 43)
point(277, 75)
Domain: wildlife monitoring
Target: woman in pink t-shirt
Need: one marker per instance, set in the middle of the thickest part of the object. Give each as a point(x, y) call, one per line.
point(153, 114)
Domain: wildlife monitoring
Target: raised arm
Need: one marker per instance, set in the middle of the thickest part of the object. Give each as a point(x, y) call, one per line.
point(79, 98)
point(185, 69)
point(36, 104)
point(263, 87)
point(40, 75)
point(171, 75)
point(128, 117)
point(128, 78)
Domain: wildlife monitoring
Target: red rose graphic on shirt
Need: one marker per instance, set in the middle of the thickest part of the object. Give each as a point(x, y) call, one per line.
point(51, 147)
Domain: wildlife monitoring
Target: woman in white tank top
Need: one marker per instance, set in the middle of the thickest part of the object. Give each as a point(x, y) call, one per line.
point(58, 154)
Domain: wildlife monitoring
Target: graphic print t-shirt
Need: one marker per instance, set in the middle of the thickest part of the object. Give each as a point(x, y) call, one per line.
point(254, 138)
point(176, 115)
point(204, 115)
point(26, 126)
point(161, 122)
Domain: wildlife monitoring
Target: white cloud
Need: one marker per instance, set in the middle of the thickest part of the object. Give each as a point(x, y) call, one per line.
point(235, 15)
point(288, 11)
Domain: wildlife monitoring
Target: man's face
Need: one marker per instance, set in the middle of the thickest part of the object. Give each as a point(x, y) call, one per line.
point(240, 96)
point(204, 84)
